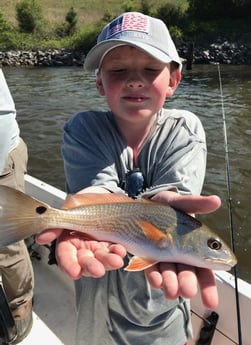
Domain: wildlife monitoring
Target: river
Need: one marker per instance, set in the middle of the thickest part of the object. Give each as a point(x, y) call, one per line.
point(46, 97)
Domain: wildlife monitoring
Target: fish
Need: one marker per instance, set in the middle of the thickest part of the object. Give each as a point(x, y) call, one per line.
point(150, 231)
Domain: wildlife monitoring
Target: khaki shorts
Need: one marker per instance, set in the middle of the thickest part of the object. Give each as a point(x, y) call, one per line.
point(15, 263)
point(15, 167)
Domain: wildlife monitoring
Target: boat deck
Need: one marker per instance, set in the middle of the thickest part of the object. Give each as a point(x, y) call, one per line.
point(53, 309)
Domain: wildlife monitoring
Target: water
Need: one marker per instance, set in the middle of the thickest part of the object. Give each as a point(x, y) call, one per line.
point(46, 97)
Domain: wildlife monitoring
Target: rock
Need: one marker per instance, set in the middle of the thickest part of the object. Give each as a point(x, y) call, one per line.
point(223, 51)
point(52, 57)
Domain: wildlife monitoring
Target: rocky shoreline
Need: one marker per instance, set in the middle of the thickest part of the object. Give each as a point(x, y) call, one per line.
point(225, 52)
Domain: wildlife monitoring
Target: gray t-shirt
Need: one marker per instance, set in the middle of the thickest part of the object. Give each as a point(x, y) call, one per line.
point(121, 308)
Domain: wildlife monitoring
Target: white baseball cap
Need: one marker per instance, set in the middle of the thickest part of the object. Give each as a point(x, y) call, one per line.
point(138, 30)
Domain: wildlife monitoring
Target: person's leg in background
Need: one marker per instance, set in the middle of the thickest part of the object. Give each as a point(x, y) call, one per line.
point(15, 264)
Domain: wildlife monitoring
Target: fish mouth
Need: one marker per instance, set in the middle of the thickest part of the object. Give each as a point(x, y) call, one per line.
point(222, 262)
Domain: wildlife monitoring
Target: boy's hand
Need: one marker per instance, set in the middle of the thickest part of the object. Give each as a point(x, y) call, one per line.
point(77, 255)
point(183, 280)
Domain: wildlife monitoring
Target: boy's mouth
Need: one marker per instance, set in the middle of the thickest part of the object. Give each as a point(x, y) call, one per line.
point(135, 98)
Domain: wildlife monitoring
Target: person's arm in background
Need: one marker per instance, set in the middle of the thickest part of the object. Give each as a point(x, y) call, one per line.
point(7, 120)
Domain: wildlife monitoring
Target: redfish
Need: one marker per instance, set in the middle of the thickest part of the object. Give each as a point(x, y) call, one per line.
point(151, 232)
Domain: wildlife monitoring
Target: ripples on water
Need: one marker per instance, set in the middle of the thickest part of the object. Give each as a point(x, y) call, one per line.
point(46, 97)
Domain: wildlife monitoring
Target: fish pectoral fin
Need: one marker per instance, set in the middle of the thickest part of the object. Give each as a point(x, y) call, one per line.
point(156, 235)
point(139, 264)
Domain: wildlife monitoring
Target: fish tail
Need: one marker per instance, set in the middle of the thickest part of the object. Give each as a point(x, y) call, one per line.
point(19, 215)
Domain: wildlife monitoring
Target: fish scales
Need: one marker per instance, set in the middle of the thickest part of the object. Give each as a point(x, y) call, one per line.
point(104, 219)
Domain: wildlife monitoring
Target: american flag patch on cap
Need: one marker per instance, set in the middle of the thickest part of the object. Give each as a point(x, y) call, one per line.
point(129, 21)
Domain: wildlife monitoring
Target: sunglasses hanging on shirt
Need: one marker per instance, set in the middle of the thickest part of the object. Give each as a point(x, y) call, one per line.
point(134, 183)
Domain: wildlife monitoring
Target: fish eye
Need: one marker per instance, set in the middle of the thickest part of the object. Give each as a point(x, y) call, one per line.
point(41, 209)
point(214, 244)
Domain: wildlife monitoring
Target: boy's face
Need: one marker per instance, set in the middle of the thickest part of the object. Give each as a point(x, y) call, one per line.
point(135, 84)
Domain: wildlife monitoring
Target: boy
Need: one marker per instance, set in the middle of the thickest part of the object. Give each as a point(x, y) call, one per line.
point(137, 68)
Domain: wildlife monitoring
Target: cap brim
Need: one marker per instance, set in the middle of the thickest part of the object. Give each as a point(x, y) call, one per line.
point(95, 55)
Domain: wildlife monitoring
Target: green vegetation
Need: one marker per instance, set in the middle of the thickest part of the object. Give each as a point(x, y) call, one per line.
point(75, 24)
point(29, 16)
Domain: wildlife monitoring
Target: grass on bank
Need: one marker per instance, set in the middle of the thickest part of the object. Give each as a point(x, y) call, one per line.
point(92, 15)
point(89, 11)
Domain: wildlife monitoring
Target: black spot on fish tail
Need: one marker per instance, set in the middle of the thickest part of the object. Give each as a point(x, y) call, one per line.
point(41, 209)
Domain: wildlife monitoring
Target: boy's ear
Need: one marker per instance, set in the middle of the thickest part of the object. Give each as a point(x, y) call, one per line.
point(99, 85)
point(175, 77)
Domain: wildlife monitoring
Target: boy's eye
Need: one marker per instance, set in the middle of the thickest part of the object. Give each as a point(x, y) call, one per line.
point(120, 70)
point(153, 69)
point(117, 70)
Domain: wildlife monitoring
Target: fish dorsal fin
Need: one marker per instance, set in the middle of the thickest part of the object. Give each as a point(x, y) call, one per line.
point(139, 264)
point(154, 234)
point(84, 199)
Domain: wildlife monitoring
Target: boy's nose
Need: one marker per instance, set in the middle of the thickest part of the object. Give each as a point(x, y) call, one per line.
point(134, 81)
